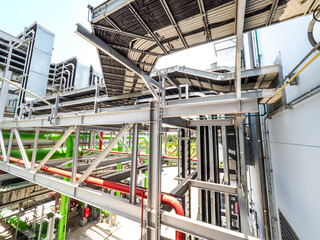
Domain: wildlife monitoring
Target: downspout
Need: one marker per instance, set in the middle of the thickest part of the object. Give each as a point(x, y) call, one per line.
point(167, 199)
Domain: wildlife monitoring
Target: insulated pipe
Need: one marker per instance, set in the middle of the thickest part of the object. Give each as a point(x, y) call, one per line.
point(167, 199)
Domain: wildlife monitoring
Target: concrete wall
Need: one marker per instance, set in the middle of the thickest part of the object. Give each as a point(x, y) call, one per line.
point(294, 134)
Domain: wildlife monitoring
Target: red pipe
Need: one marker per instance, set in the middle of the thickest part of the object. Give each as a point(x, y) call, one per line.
point(100, 143)
point(166, 199)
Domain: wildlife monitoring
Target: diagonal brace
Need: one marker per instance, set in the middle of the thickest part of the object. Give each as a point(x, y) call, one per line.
point(3, 149)
point(55, 148)
point(105, 152)
point(107, 49)
point(22, 150)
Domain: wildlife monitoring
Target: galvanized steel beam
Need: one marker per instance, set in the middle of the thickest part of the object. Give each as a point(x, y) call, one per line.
point(240, 15)
point(173, 22)
point(146, 27)
point(104, 47)
point(104, 153)
point(107, 29)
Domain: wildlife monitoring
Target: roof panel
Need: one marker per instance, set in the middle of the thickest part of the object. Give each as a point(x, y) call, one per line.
point(149, 18)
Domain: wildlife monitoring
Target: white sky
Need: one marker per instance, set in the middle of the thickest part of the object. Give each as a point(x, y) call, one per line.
point(60, 16)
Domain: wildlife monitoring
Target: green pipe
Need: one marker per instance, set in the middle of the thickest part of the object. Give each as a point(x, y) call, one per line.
point(64, 205)
point(41, 153)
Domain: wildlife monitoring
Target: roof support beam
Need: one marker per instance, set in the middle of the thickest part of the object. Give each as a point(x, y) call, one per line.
point(145, 26)
point(136, 50)
point(205, 21)
point(240, 12)
point(173, 80)
point(112, 23)
point(173, 22)
point(272, 12)
point(135, 62)
point(104, 47)
point(107, 29)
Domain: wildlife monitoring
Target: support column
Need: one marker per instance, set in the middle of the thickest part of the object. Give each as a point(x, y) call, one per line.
point(4, 93)
point(134, 162)
point(154, 172)
point(226, 178)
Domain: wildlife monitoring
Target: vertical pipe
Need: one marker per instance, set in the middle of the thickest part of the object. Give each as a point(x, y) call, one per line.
point(263, 180)
point(100, 143)
point(64, 205)
point(134, 162)
point(154, 168)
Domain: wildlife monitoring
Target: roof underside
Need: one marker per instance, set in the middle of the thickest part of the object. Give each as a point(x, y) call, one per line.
point(144, 30)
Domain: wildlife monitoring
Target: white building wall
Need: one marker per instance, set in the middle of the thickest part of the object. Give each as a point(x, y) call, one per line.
point(295, 134)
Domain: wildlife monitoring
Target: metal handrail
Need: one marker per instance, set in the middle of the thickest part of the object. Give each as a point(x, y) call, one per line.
point(27, 91)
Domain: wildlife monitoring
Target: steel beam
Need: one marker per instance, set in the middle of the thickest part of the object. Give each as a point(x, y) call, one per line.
point(95, 198)
point(107, 29)
point(146, 27)
point(173, 22)
point(75, 156)
point(107, 8)
point(213, 187)
point(104, 47)
point(35, 147)
point(134, 162)
point(205, 21)
point(9, 145)
point(211, 122)
point(272, 12)
point(3, 149)
point(56, 146)
point(240, 15)
point(136, 50)
point(177, 122)
point(201, 229)
point(22, 150)
point(105, 152)
point(218, 104)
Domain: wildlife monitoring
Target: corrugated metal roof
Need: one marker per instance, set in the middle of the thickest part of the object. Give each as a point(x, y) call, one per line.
point(149, 19)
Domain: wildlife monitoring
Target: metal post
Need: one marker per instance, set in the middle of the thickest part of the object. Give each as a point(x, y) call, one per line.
point(134, 161)
point(226, 178)
point(22, 150)
point(154, 171)
point(35, 147)
point(3, 149)
point(75, 156)
point(9, 145)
